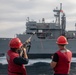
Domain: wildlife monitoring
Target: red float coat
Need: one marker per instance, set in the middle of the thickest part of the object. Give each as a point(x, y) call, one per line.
point(14, 69)
point(63, 64)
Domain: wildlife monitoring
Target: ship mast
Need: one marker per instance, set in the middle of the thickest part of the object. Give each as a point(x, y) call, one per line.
point(75, 26)
point(60, 19)
point(63, 24)
point(57, 15)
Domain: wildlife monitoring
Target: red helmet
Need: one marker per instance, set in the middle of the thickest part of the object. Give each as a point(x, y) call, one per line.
point(62, 40)
point(15, 43)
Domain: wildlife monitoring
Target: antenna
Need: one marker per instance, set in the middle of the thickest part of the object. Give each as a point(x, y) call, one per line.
point(75, 26)
point(27, 19)
point(60, 6)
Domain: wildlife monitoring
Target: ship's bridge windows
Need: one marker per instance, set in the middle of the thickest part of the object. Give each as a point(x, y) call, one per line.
point(32, 28)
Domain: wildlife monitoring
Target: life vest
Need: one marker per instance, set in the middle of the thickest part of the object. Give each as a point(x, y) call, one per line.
point(14, 69)
point(63, 64)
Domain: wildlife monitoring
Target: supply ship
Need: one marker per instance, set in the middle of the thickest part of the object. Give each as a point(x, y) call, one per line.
point(43, 42)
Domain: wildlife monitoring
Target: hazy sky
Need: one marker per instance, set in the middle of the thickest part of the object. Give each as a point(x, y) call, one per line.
point(13, 14)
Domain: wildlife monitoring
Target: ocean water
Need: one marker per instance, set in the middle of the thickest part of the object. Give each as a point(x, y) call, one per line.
point(32, 61)
point(36, 66)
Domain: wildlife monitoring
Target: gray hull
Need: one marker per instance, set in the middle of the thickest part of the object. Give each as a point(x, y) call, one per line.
point(44, 48)
point(4, 44)
point(40, 48)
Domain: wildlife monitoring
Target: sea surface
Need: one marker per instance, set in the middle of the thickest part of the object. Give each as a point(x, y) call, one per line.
point(36, 66)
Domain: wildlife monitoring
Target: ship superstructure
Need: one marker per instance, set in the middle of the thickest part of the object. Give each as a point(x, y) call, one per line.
point(48, 30)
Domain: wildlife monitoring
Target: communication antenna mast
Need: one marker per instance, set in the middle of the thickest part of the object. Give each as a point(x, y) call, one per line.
point(57, 15)
point(27, 19)
point(75, 26)
point(60, 6)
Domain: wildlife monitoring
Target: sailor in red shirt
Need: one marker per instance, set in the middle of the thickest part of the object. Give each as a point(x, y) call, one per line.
point(61, 60)
point(15, 60)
